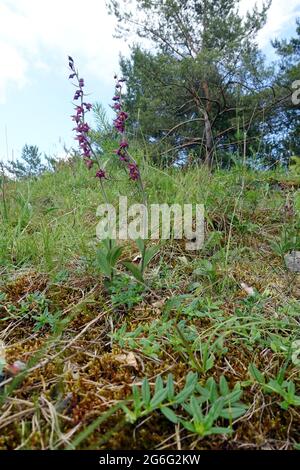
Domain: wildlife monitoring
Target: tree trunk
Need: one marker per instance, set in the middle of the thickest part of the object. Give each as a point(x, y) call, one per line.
point(207, 127)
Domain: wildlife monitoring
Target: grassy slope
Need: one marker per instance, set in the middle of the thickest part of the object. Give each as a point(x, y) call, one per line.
point(79, 370)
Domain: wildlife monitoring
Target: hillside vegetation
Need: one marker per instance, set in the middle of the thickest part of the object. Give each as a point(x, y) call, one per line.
point(203, 355)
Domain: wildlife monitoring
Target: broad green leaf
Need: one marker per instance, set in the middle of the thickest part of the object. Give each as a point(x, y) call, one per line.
point(214, 412)
point(149, 254)
point(284, 405)
point(108, 244)
point(233, 412)
point(185, 393)
point(196, 409)
point(136, 396)
point(2, 364)
point(187, 425)
point(280, 375)
point(191, 378)
point(233, 397)
point(219, 430)
point(223, 385)
point(274, 386)
point(291, 389)
point(83, 435)
point(170, 387)
point(103, 263)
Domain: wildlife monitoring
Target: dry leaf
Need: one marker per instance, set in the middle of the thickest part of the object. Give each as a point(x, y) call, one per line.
point(292, 261)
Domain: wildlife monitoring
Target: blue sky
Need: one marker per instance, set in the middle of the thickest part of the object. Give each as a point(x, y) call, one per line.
point(35, 38)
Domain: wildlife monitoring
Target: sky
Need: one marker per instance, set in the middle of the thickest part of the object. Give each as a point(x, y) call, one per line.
point(36, 36)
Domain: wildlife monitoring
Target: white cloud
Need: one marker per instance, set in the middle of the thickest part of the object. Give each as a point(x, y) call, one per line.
point(32, 30)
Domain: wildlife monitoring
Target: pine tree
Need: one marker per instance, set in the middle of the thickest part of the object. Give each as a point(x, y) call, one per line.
point(288, 80)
